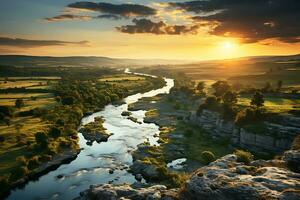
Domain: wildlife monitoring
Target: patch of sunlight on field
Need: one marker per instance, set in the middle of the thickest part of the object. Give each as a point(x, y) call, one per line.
point(30, 104)
point(25, 95)
point(20, 84)
point(275, 104)
point(122, 78)
point(31, 78)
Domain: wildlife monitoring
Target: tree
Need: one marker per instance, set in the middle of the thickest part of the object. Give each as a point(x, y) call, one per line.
point(258, 100)
point(41, 138)
point(230, 98)
point(67, 100)
point(279, 85)
point(221, 87)
point(267, 87)
point(201, 86)
point(19, 103)
point(55, 132)
point(207, 157)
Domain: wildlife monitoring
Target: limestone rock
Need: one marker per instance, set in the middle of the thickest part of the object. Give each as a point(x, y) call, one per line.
point(116, 192)
point(225, 179)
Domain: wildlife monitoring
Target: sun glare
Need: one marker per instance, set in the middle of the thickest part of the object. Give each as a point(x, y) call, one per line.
point(227, 45)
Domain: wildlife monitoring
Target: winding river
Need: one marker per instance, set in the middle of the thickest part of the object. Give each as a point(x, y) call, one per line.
point(106, 162)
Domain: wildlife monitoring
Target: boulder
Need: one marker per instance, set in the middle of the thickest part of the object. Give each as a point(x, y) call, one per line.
point(226, 179)
point(292, 158)
point(116, 192)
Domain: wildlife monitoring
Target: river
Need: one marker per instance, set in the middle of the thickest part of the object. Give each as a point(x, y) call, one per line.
point(94, 163)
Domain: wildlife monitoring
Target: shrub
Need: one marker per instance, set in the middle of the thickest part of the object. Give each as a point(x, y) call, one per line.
point(243, 156)
point(211, 103)
point(41, 139)
point(22, 160)
point(207, 157)
point(2, 138)
point(45, 158)
point(55, 132)
point(33, 162)
point(4, 182)
point(19, 172)
point(19, 103)
point(250, 116)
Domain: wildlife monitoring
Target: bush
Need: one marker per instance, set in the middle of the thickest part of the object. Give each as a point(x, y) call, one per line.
point(22, 160)
point(207, 157)
point(41, 139)
point(33, 162)
point(45, 158)
point(55, 132)
point(4, 182)
point(2, 138)
point(243, 156)
point(250, 116)
point(20, 172)
point(211, 103)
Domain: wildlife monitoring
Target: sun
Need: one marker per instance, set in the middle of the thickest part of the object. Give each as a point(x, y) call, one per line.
point(227, 45)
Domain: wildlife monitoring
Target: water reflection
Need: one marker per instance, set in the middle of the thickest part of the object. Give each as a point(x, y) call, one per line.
point(95, 163)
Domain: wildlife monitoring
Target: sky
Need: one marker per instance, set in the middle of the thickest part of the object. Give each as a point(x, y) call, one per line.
point(164, 29)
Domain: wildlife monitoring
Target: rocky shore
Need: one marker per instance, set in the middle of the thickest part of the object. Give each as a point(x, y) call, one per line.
point(223, 179)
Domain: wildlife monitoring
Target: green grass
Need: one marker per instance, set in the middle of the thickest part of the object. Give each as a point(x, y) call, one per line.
point(276, 105)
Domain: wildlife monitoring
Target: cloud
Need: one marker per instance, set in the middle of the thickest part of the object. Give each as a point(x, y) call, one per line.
point(66, 17)
point(108, 16)
point(251, 20)
point(124, 10)
point(25, 43)
point(158, 28)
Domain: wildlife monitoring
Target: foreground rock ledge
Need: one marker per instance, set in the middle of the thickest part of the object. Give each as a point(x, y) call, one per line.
point(111, 192)
point(224, 179)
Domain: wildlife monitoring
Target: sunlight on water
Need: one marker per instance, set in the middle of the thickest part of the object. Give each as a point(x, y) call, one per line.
point(94, 162)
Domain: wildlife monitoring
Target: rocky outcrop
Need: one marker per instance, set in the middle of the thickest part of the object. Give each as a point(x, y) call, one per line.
point(94, 131)
point(292, 158)
point(276, 139)
point(111, 192)
point(226, 179)
point(223, 179)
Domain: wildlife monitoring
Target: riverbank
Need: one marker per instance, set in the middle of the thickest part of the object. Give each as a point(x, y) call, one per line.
point(224, 179)
point(66, 155)
point(178, 139)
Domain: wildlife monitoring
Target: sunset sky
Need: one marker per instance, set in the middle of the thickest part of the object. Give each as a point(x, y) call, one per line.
point(168, 29)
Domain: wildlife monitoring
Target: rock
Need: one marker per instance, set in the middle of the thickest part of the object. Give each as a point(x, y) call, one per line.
point(147, 170)
point(59, 176)
point(226, 179)
point(126, 113)
point(110, 171)
point(114, 192)
point(292, 158)
point(139, 177)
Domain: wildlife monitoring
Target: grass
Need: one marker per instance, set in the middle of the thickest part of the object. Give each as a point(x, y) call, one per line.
point(21, 131)
point(276, 105)
point(21, 83)
point(121, 77)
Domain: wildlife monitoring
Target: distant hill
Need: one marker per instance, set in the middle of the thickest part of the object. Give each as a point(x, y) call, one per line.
point(80, 61)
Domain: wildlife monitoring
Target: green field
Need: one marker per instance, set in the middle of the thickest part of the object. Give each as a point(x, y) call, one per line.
point(276, 105)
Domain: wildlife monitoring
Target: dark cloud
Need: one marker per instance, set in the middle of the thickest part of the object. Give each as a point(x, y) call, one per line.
point(252, 20)
point(124, 10)
point(108, 16)
point(158, 28)
point(24, 43)
point(65, 17)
